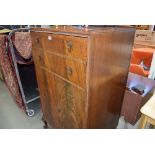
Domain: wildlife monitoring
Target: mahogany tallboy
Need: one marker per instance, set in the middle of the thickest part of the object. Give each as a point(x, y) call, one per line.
point(82, 74)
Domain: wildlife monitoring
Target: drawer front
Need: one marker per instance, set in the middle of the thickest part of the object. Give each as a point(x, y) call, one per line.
point(66, 45)
point(69, 69)
point(36, 40)
point(55, 43)
point(38, 56)
point(76, 47)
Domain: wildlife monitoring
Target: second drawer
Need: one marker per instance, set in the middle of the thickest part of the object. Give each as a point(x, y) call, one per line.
point(69, 69)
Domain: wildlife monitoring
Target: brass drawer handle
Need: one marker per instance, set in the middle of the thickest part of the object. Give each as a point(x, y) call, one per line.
point(69, 71)
point(59, 110)
point(37, 40)
point(39, 57)
point(69, 45)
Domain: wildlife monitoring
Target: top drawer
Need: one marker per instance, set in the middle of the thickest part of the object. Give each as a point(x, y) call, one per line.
point(66, 45)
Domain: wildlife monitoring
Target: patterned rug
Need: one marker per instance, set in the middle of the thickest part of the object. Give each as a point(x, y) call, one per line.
point(8, 73)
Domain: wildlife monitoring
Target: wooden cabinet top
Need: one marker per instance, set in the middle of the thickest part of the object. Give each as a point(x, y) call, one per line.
point(83, 30)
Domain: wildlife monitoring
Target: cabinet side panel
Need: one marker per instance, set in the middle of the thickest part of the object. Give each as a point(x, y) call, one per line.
point(109, 65)
point(42, 78)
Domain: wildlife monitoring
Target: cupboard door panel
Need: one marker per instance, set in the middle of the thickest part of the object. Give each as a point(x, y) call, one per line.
point(63, 104)
point(70, 104)
point(47, 100)
point(44, 93)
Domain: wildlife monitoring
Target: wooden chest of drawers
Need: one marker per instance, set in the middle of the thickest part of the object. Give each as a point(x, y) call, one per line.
point(82, 74)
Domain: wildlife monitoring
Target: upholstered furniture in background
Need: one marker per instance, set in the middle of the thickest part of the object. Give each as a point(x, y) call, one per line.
point(141, 61)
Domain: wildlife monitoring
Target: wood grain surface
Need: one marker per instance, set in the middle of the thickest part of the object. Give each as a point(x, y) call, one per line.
point(82, 74)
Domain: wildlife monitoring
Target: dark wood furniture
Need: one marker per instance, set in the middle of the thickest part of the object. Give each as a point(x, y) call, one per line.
point(133, 102)
point(82, 73)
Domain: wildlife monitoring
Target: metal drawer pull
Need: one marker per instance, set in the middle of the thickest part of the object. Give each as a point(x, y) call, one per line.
point(37, 40)
point(39, 57)
point(69, 71)
point(69, 45)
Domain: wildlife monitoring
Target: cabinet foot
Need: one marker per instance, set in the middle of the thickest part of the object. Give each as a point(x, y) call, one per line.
point(45, 124)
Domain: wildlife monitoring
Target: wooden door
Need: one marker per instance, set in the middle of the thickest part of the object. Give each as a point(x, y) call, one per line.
point(47, 100)
point(63, 104)
point(70, 105)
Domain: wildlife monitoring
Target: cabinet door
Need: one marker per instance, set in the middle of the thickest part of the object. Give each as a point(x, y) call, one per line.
point(47, 100)
point(63, 104)
point(70, 109)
